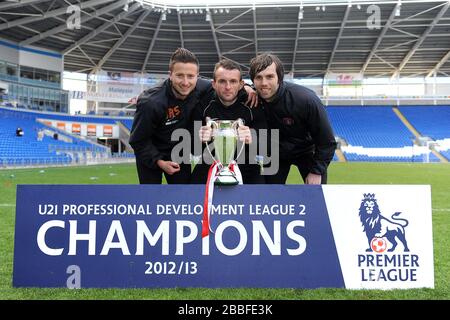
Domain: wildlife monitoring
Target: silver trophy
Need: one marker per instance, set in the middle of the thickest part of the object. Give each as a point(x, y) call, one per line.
point(225, 137)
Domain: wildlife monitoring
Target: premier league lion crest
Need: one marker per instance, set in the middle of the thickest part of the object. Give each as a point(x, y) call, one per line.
point(381, 231)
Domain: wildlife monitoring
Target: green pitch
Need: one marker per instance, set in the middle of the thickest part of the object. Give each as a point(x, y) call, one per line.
point(437, 175)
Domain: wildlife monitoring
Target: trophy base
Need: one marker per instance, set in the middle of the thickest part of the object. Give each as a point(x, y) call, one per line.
point(226, 179)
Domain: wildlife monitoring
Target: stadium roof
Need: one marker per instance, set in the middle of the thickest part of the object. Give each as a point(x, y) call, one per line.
point(311, 37)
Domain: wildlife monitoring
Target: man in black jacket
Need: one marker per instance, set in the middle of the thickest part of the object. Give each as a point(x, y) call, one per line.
point(226, 105)
point(306, 137)
point(159, 112)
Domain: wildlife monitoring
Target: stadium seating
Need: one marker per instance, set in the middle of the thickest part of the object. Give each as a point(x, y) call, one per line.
point(127, 123)
point(371, 127)
point(446, 154)
point(365, 134)
point(414, 158)
point(430, 121)
point(27, 150)
point(377, 134)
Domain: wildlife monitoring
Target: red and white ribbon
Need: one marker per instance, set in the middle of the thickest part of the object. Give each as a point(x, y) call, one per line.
point(209, 192)
point(208, 197)
point(235, 168)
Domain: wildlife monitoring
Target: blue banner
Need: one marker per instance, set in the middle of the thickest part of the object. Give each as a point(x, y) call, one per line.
point(128, 236)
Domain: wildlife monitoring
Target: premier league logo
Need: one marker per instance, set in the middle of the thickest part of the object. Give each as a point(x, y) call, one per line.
point(384, 259)
point(381, 231)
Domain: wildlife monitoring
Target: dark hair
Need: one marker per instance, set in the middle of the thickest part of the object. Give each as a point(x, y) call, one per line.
point(262, 61)
point(184, 56)
point(228, 65)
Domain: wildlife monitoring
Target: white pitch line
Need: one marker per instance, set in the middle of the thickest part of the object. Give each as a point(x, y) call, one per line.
point(444, 209)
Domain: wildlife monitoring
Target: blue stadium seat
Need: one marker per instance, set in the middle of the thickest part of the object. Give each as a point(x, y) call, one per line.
point(371, 127)
point(430, 121)
point(27, 150)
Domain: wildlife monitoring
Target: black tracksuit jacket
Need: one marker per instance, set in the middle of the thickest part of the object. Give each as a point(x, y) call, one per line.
point(158, 114)
point(303, 124)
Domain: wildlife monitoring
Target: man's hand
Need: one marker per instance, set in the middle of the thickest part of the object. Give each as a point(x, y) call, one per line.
point(205, 133)
point(313, 178)
point(245, 134)
point(168, 167)
point(252, 100)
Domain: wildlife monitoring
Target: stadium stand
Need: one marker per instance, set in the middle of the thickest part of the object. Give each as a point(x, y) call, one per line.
point(375, 133)
point(433, 123)
point(364, 133)
point(31, 149)
point(371, 127)
point(430, 121)
point(62, 117)
point(127, 123)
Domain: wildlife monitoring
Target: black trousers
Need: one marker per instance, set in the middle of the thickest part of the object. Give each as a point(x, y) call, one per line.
point(154, 176)
point(250, 174)
point(303, 165)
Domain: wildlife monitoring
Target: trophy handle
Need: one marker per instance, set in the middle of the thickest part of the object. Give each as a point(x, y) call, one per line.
point(236, 124)
point(213, 124)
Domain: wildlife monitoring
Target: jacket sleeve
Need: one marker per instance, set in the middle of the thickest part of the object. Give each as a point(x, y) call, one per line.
point(321, 133)
point(194, 124)
point(205, 93)
point(204, 89)
point(259, 118)
point(262, 137)
point(145, 124)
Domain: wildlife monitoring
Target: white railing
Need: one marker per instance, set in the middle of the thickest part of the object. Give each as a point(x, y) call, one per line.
point(386, 100)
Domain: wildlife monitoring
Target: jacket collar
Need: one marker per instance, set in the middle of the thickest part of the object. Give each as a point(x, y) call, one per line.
point(219, 103)
point(216, 101)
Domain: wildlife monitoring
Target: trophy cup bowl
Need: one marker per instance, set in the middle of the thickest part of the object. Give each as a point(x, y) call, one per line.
point(225, 142)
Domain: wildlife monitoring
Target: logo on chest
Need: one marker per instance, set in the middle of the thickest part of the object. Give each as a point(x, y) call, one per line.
point(172, 114)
